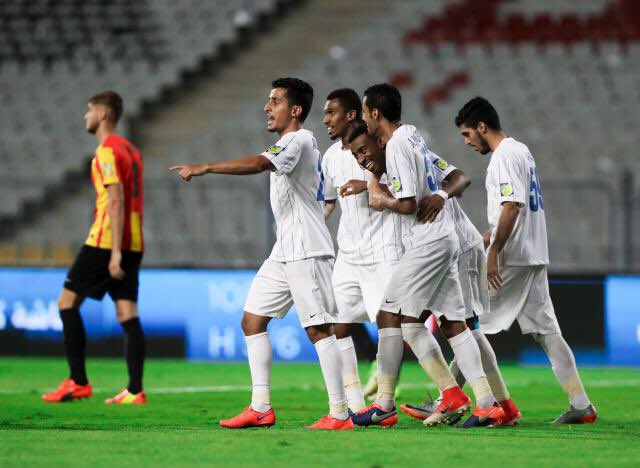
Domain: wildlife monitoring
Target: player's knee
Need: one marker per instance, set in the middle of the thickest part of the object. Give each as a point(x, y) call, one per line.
point(342, 330)
point(451, 328)
point(319, 332)
point(251, 325)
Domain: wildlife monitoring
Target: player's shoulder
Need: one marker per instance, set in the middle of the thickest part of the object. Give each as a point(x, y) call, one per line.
point(119, 145)
point(510, 147)
point(334, 149)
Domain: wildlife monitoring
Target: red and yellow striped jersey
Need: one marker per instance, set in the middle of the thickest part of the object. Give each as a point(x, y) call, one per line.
point(117, 161)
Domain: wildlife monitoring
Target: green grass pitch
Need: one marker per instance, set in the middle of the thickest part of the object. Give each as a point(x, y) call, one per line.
point(179, 425)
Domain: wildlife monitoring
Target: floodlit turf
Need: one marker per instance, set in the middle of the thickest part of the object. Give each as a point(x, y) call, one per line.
point(179, 426)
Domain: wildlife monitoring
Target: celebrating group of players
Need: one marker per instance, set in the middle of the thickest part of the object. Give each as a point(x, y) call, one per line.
point(406, 250)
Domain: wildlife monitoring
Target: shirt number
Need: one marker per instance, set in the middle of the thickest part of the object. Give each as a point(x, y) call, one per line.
point(535, 194)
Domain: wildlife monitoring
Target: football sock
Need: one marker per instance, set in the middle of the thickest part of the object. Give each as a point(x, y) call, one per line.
point(329, 357)
point(490, 366)
point(75, 342)
point(390, 349)
point(563, 364)
point(427, 350)
point(135, 347)
point(457, 373)
point(350, 376)
point(259, 355)
point(467, 355)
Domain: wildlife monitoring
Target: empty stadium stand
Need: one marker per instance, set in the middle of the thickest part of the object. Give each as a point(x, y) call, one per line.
point(563, 75)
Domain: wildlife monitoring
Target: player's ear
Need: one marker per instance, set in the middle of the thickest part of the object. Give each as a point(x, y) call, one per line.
point(296, 111)
point(482, 127)
point(351, 116)
point(375, 113)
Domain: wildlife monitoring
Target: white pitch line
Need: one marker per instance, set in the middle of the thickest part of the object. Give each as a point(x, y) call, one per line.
point(246, 388)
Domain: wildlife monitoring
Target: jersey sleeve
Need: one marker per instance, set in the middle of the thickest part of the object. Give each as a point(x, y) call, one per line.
point(441, 168)
point(285, 155)
point(401, 173)
point(107, 167)
point(330, 191)
point(512, 180)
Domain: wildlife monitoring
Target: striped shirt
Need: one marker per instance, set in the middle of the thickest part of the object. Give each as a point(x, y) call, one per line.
point(410, 173)
point(296, 195)
point(117, 161)
point(365, 236)
point(468, 234)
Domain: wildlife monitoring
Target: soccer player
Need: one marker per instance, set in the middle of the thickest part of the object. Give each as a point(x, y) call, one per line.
point(109, 262)
point(369, 241)
point(300, 265)
point(472, 272)
point(425, 279)
point(517, 255)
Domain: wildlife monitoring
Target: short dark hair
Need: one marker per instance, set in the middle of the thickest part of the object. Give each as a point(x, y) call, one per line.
point(112, 100)
point(356, 132)
point(299, 93)
point(478, 110)
point(349, 100)
point(386, 98)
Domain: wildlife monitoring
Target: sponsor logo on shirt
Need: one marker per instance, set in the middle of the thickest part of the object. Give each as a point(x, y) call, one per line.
point(107, 169)
point(275, 150)
point(397, 184)
point(442, 164)
point(506, 189)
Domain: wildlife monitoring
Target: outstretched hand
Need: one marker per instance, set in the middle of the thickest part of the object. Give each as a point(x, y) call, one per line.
point(187, 171)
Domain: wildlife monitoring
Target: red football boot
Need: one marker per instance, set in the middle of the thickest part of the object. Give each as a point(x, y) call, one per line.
point(454, 402)
point(250, 418)
point(67, 391)
point(512, 414)
point(329, 423)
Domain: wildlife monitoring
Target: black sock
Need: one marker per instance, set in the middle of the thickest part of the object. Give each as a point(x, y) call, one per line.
point(134, 352)
point(75, 342)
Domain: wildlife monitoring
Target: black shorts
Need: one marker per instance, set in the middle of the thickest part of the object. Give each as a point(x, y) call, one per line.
point(89, 275)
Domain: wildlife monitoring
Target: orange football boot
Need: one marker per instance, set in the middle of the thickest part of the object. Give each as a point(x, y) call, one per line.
point(125, 397)
point(68, 390)
point(329, 423)
point(250, 418)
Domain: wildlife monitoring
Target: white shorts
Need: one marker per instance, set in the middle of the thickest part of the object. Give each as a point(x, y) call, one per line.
point(426, 278)
point(359, 289)
point(472, 270)
point(305, 283)
point(523, 296)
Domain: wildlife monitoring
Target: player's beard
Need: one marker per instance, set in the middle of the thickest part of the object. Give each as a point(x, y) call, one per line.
point(92, 129)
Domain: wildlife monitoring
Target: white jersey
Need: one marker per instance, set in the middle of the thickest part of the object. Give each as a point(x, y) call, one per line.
point(365, 236)
point(296, 199)
point(410, 173)
point(468, 234)
point(512, 177)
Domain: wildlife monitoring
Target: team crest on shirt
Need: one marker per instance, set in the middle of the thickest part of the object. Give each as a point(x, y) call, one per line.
point(107, 169)
point(275, 150)
point(442, 164)
point(397, 184)
point(506, 189)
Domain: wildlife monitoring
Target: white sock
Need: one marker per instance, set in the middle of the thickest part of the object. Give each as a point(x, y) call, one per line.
point(490, 367)
point(468, 358)
point(564, 367)
point(350, 376)
point(427, 350)
point(329, 357)
point(390, 350)
point(457, 373)
point(259, 354)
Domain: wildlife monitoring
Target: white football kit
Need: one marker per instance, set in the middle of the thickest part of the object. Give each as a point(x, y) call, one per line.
point(369, 241)
point(426, 277)
point(472, 263)
point(299, 267)
point(524, 294)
